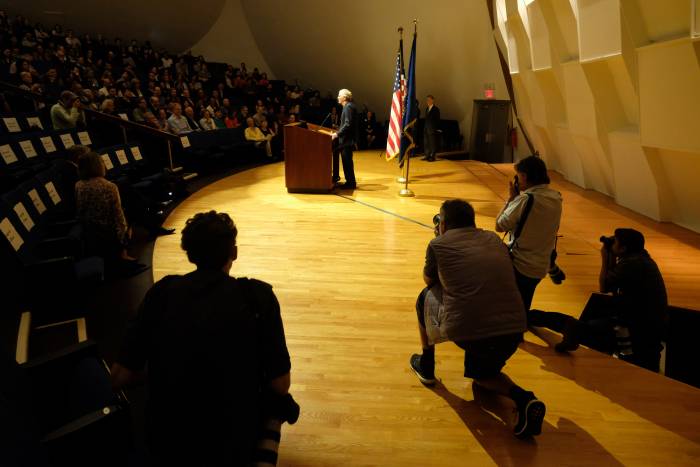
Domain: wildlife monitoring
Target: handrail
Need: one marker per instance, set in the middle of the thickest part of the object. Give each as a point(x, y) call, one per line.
point(23, 92)
point(127, 124)
point(169, 138)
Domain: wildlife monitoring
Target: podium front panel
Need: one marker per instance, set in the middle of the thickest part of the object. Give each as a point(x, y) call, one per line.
point(308, 160)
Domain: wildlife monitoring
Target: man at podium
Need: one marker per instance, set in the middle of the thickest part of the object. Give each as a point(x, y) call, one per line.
point(346, 137)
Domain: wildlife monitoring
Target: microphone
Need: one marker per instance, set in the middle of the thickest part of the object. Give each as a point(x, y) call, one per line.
point(324, 120)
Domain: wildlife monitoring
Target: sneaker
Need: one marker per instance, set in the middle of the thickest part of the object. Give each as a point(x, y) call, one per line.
point(425, 375)
point(530, 418)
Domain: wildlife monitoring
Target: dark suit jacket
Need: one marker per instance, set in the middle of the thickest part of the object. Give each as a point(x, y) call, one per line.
point(432, 119)
point(348, 131)
point(193, 124)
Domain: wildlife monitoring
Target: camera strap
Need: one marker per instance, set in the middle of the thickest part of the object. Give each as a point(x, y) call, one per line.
point(521, 223)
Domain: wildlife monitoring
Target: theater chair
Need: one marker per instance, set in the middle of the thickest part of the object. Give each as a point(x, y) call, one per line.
point(66, 406)
point(53, 269)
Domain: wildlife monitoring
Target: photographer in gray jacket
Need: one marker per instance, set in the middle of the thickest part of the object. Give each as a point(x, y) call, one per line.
point(471, 299)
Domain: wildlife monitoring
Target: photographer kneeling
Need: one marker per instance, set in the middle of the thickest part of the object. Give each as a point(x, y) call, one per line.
point(627, 323)
point(472, 300)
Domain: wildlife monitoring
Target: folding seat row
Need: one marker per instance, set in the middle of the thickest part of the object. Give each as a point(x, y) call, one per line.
point(126, 164)
point(37, 231)
point(203, 148)
point(24, 154)
point(23, 122)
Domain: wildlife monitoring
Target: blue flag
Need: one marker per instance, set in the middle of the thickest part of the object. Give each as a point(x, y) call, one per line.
point(410, 115)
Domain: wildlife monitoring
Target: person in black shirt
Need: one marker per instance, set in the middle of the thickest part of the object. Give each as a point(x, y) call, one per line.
point(627, 323)
point(218, 370)
point(430, 131)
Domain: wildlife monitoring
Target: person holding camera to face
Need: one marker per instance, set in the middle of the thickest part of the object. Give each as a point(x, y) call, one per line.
point(629, 321)
point(471, 299)
point(531, 217)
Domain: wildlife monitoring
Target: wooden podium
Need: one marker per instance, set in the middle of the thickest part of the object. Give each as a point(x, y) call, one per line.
point(308, 159)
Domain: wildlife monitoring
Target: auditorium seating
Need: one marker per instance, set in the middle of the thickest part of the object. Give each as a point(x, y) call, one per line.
point(61, 409)
point(44, 256)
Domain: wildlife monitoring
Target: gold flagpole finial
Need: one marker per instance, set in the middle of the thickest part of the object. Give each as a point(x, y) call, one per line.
point(415, 26)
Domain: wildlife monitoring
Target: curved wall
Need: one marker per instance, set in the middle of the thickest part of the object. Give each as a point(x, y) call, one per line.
point(610, 91)
point(231, 41)
point(329, 46)
point(173, 25)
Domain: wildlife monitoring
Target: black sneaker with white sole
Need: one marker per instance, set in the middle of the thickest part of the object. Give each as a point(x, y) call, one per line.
point(425, 375)
point(530, 418)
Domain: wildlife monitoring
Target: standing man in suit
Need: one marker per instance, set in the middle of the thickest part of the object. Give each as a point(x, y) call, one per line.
point(346, 137)
point(432, 125)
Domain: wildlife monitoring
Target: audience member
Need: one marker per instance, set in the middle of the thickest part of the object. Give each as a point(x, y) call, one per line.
point(219, 120)
point(335, 118)
point(471, 299)
point(100, 211)
point(67, 112)
point(271, 135)
point(163, 123)
point(231, 120)
point(259, 115)
point(139, 114)
point(187, 332)
point(177, 122)
point(369, 127)
point(253, 133)
point(191, 120)
point(206, 122)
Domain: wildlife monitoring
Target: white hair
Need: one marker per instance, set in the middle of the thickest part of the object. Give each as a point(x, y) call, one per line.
point(346, 93)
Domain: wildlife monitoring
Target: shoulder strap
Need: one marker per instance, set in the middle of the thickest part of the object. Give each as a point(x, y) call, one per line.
point(523, 218)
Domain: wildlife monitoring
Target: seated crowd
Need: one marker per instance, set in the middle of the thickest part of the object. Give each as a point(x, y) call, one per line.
point(178, 94)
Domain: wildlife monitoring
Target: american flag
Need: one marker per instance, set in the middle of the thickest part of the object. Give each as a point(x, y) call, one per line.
point(393, 142)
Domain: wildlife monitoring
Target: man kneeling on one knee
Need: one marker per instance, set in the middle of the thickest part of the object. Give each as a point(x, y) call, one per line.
point(472, 299)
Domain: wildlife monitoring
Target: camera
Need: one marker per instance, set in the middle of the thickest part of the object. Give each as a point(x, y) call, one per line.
point(436, 223)
point(607, 241)
point(555, 272)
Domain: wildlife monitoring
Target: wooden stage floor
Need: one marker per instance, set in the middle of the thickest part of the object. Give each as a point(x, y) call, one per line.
point(347, 269)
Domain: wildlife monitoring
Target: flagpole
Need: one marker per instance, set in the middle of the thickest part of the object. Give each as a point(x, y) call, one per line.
point(402, 177)
point(405, 191)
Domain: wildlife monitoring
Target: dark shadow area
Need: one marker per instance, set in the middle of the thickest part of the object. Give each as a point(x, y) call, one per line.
point(627, 388)
point(445, 198)
point(371, 187)
point(430, 176)
point(489, 417)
